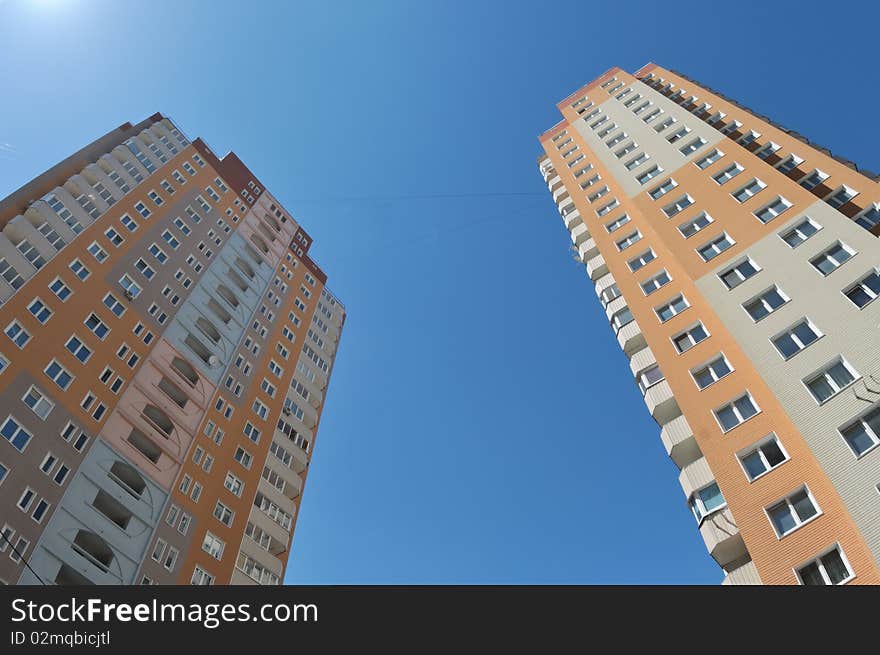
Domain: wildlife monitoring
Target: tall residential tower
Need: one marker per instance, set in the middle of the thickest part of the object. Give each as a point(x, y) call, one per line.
point(737, 264)
point(166, 350)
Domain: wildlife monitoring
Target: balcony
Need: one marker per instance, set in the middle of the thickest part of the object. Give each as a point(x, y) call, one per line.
point(630, 338)
point(553, 181)
point(579, 233)
point(558, 190)
point(300, 458)
point(661, 402)
point(587, 250)
point(722, 538)
point(603, 283)
point(642, 359)
point(679, 441)
point(566, 204)
point(596, 267)
point(615, 306)
point(718, 529)
point(746, 574)
point(572, 218)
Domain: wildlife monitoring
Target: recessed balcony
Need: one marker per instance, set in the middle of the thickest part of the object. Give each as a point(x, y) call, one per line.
point(678, 439)
point(587, 250)
point(596, 267)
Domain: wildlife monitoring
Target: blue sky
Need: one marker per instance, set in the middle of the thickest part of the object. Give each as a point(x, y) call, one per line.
point(482, 425)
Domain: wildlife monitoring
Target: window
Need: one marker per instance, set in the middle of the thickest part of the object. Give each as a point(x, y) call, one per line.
point(649, 377)
point(739, 273)
point(141, 209)
point(648, 175)
point(604, 209)
point(651, 285)
point(39, 403)
point(637, 161)
point(223, 514)
point(677, 206)
point(870, 217)
point(97, 252)
point(58, 374)
point(749, 190)
point(731, 127)
point(628, 240)
point(79, 269)
point(640, 261)
point(748, 138)
point(243, 457)
point(111, 303)
point(728, 173)
point(114, 237)
point(672, 308)
point(796, 338)
point(789, 163)
point(861, 435)
point(144, 269)
point(170, 239)
point(705, 501)
point(625, 150)
point(17, 334)
point(15, 433)
point(840, 197)
point(660, 191)
point(200, 576)
point(832, 568)
point(812, 180)
point(60, 289)
point(666, 122)
point(692, 146)
point(773, 209)
point(766, 150)
point(831, 380)
point(617, 223)
point(711, 372)
point(766, 303)
point(865, 290)
point(704, 162)
point(26, 498)
point(621, 318)
point(793, 511)
point(691, 227)
point(689, 338)
point(233, 484)
point(736, 412)
point(158, 253)
point(213, 545)
point(97, 326)
point(830, 260)
point(715, 247)
point(763, 457)
point(796, 235)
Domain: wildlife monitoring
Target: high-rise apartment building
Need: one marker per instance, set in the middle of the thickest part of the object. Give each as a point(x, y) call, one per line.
point(166, 350)
point(737, 263)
